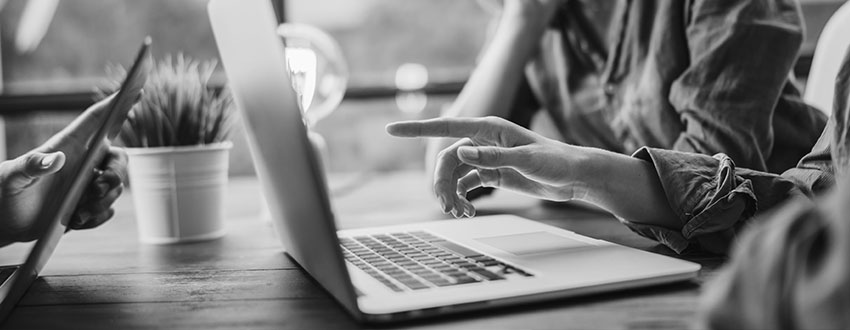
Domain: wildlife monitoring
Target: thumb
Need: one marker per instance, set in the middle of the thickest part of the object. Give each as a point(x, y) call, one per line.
point(492, 157)
point(27, 168)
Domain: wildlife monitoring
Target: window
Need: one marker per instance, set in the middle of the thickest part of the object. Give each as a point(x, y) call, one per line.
point(51, 46)
point(54, 52)
point(66, 46)
point(384, 40)
point(378, 36)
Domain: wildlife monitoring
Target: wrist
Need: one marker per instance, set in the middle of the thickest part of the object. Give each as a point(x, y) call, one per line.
point(596, 173)
point(564, 169)
point(529, 14)
point(521, 25)
point(582, 165)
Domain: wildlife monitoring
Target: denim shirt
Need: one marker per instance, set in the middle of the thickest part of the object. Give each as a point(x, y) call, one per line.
point(714, 199)
point(700, 76)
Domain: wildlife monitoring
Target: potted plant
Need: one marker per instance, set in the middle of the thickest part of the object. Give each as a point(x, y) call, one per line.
point(177, 141)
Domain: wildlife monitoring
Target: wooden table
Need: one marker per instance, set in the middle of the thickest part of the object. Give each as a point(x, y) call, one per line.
point(106, 279)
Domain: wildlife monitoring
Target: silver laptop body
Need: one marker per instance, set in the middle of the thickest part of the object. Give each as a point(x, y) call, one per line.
point(385, 274)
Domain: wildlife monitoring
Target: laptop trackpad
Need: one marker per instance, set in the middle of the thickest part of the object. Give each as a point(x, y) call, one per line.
point(532, 243)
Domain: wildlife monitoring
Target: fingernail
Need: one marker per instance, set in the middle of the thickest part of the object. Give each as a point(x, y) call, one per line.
point(443, 205)
point(469, 153)
point(48, 160)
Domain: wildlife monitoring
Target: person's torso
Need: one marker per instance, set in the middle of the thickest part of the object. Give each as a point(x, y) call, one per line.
point(619, 98)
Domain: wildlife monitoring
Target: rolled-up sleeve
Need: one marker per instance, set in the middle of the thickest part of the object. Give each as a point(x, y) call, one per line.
point(711, 198)
point(714, 200)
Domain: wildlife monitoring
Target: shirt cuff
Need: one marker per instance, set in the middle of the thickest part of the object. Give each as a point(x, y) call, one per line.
point(708, 197)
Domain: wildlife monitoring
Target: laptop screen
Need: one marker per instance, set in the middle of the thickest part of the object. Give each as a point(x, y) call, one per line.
point(287, 166)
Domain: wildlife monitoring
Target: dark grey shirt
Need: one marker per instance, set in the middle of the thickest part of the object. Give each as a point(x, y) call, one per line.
point(680, 81)
point(715, 200)
point(790, 269)
point(701, 76)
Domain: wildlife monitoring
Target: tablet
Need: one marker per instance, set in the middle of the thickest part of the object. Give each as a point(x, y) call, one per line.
point(79, 176)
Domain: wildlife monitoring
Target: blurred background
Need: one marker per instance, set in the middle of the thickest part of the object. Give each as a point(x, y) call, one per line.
point(407, 60)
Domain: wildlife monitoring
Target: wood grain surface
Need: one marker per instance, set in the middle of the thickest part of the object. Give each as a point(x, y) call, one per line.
point(106, 279)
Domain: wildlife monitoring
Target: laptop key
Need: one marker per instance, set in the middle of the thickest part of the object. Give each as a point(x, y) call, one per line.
point(444, 269)
point(465, 280)
point(513, 270)
point(442, 282)
point(465, 264)
point(414, 284)
point(455, 273)
point(393, 287)
point(421, 271)
point(490, 276)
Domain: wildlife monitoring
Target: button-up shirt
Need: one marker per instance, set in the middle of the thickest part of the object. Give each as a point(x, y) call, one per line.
point(790, 269)
point(714, 199)
point(700, 89)
point(700, 76)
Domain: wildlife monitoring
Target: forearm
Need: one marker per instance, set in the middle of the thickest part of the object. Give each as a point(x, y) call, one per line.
point(625, 186)
point(492, 87)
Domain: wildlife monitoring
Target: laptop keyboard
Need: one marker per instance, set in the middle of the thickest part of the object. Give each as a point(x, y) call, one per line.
point(420, 260)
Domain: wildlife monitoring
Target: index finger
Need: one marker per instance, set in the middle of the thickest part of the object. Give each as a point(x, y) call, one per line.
point(474, 128)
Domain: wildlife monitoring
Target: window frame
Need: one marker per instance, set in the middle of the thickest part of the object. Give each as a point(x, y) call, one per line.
point(20, 104)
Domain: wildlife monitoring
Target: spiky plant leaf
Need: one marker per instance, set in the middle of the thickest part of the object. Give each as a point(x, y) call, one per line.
point(178, 107)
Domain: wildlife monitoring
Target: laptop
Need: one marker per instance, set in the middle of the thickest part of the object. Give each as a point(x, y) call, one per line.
point(405, 271)
point(16, 279)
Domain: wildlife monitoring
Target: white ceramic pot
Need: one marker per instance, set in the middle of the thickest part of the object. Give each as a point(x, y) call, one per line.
point(178, 192)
